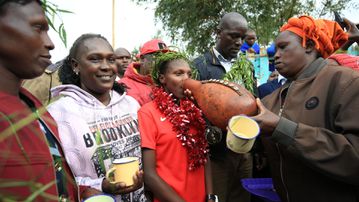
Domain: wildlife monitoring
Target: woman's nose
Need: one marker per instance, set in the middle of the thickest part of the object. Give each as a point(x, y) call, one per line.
point(276, 55)
point(186, 76)
point(106, 64)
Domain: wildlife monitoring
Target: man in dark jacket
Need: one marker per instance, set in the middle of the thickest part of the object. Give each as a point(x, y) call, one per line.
point(228, 168)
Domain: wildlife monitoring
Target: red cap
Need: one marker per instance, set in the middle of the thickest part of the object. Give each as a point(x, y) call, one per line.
point(153, 46)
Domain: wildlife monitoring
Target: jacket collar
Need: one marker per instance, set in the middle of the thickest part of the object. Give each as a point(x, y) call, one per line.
point(313, 68)
point(212, 57)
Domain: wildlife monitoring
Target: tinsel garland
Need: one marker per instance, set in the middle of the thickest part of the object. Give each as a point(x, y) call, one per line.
point(182, 117)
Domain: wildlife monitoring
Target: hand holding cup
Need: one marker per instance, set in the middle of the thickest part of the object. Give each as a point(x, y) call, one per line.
point(126, 176)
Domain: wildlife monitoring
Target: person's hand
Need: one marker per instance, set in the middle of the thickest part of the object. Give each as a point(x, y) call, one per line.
point(122, 188)
point(353, 31)
point(266, 119)
point(88, 192)
point(188, 94)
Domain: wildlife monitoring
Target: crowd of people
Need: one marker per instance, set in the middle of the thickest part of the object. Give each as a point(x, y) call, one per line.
point(62, 125)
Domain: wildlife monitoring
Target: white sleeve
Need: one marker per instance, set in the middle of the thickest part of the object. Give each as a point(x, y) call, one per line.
point(87, 181)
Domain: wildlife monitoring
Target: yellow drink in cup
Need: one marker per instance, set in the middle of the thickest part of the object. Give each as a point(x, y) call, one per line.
point(242, 132)
point(124, 169)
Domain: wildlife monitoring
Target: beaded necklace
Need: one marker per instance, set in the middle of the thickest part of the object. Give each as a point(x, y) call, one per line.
point(182, 117)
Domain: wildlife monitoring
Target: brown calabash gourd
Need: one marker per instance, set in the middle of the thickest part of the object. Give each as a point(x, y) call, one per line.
point(220, 100)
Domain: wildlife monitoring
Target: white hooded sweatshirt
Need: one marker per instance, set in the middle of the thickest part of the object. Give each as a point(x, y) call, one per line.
point(93, 135)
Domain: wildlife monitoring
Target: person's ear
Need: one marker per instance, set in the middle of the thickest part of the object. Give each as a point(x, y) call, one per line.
point(162, 78)
point(218, 32)
point(310, 47)
point(308, 50)
point(75, 66)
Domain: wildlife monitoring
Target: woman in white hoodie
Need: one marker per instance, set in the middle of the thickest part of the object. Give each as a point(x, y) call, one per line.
point(97, 121)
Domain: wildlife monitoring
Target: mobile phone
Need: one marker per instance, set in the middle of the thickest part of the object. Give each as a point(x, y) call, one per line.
point(339, 20)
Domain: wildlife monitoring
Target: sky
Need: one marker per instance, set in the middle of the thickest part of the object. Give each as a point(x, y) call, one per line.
point(134, 24)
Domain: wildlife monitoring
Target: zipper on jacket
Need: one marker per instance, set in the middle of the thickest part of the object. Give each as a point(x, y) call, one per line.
point(282, 105)
point(281, 102)
point(281, 172)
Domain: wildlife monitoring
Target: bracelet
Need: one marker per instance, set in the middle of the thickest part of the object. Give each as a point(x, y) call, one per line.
point(212, 197)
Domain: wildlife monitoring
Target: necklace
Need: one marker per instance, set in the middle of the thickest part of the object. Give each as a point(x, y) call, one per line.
point(182, 117)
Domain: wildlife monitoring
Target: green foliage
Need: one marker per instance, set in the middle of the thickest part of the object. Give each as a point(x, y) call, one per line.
point(53, 12)
point(194, 21)
point(135, 51)
point(326, 7)
point(38, 189)
point(35, 187)
point(242, 73)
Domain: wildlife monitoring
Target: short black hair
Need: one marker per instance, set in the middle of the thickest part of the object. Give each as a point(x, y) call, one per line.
point(231, 16)
point(66, 73)
point(22, 2)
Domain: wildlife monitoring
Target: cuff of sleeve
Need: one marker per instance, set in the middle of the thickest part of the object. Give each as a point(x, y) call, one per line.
point(285, 131)
point(98, 184)
point(93, 183)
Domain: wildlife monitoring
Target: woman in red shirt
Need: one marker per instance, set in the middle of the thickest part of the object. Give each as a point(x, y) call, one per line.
point(175, 151)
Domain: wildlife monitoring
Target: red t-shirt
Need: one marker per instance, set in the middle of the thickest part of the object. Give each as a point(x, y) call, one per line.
point(171, 157)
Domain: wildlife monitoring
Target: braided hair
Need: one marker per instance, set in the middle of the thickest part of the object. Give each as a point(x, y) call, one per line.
point(66, 73)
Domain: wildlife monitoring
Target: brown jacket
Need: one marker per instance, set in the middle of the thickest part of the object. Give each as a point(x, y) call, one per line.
point(314, 150)
point(41, 86)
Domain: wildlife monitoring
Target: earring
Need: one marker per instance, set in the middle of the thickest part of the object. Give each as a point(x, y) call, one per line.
point(76, 72)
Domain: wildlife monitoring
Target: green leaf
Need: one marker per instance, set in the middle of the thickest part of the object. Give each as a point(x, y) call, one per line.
point(64, 11)
point(50, 23)
point(40, 191)
point(52, 12)
point(64, 36)
point(241, 73)
point(9, 184)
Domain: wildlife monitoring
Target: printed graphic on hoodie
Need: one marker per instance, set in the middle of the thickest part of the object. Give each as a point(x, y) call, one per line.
point(112, 139)
point(93, 135)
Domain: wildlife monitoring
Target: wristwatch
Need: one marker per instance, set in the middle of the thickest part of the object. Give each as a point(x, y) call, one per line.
point(212, 197)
